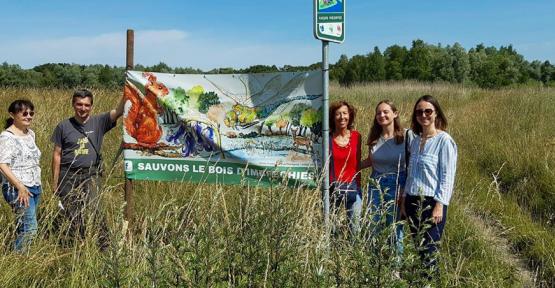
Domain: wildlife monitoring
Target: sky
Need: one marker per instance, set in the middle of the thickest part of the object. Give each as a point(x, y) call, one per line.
point(211, 34)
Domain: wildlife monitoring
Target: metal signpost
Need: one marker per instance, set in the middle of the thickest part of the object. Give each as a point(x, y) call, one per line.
point(329, 26)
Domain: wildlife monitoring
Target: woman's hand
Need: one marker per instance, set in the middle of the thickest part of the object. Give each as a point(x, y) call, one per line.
point(366, 162)
point(437, 213)
point(23, 195)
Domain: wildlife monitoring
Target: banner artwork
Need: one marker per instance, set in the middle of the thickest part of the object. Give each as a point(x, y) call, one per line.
point(234, 128)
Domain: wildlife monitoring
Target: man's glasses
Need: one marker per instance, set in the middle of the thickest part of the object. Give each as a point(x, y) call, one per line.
point(25, 114)
point(426, 112)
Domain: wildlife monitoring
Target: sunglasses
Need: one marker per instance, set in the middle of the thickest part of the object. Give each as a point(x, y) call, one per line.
point(25, 114)
point(426, 112)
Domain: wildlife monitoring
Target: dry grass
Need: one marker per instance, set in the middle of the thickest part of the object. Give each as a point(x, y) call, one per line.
point(211, 235)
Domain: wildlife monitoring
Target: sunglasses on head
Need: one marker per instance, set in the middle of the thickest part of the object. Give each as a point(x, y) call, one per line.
point(426, 112)
point(25, 114)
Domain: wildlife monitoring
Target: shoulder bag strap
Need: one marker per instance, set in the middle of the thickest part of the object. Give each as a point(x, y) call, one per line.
point(407, 149)
point(332, 169)
point(80, 129)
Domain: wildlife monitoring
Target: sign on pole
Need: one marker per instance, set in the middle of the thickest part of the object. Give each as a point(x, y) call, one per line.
point(329, 20)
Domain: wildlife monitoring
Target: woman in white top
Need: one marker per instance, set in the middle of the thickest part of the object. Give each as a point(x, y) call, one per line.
point(19, 165)
point(430, 180)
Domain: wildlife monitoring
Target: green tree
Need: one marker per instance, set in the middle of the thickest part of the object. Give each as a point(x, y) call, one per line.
point(375, 67)
point(418, 64)
point(309, 117)
point(106, 77)
point(70, 76)
point(269, 122)
point(442, 64)
point(483, 70)
point(394, 58)
point(338, 70)
point(51, 75)
point(547, 71)
point(206, 100)
point(160, 67)
point(296, 112)
point(260, 69)
point(534, 70)
point(226, 70)
point(460, 62)
point(89, 76)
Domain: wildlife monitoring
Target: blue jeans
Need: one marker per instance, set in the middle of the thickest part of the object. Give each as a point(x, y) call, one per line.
point(25, 218)
point(348, 195)
point(383, 191)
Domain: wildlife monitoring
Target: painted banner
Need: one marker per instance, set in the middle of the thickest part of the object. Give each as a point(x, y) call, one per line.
point(233, 128)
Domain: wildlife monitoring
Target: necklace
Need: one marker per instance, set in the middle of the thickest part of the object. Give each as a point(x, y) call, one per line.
point(343, 140)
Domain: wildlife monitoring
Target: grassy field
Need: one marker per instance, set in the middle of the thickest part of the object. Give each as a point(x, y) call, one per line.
point(500, 230)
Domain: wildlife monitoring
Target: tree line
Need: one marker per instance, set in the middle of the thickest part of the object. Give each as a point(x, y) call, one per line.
point(487, 67)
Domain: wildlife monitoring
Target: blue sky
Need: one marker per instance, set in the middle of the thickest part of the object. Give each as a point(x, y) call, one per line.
point(217, 33)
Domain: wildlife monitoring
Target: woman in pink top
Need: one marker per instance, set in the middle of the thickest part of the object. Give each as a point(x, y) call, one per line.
point(345, 162)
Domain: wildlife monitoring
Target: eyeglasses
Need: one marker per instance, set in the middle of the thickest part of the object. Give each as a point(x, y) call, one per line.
point(426, 112)
point(25, 114)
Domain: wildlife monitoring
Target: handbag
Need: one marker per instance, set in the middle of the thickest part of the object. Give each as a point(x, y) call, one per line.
point(408, 139)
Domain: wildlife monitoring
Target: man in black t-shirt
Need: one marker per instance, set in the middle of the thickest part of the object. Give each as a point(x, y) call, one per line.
point(77, 161)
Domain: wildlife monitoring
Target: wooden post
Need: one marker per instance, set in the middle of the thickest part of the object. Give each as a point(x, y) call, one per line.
point(130, 49)
point(128, 196)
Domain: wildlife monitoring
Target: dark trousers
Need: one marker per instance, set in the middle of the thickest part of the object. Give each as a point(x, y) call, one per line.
point(80, 197)
point(425, 233)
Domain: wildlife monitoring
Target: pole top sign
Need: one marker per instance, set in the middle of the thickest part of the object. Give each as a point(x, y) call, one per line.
point(329, 20)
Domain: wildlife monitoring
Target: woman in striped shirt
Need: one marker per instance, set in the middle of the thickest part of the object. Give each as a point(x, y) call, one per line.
point(430, 179)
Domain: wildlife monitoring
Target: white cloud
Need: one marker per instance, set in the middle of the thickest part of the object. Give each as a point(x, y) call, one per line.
point(174, 47)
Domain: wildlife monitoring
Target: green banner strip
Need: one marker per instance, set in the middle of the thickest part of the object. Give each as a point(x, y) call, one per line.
point(217, 172)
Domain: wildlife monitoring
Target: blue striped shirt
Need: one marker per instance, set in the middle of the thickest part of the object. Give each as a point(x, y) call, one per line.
point(432, 171)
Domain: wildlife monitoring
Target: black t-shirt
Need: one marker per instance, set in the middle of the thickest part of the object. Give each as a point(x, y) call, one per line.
point(77, 152)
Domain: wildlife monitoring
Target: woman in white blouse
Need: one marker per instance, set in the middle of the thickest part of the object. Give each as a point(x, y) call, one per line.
point(430, 179)
point(19, 164)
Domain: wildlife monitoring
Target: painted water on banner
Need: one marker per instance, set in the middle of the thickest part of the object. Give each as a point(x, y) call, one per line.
point(223, 128)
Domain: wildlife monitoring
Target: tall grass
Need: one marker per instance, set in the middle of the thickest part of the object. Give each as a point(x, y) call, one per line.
point(212, 235)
